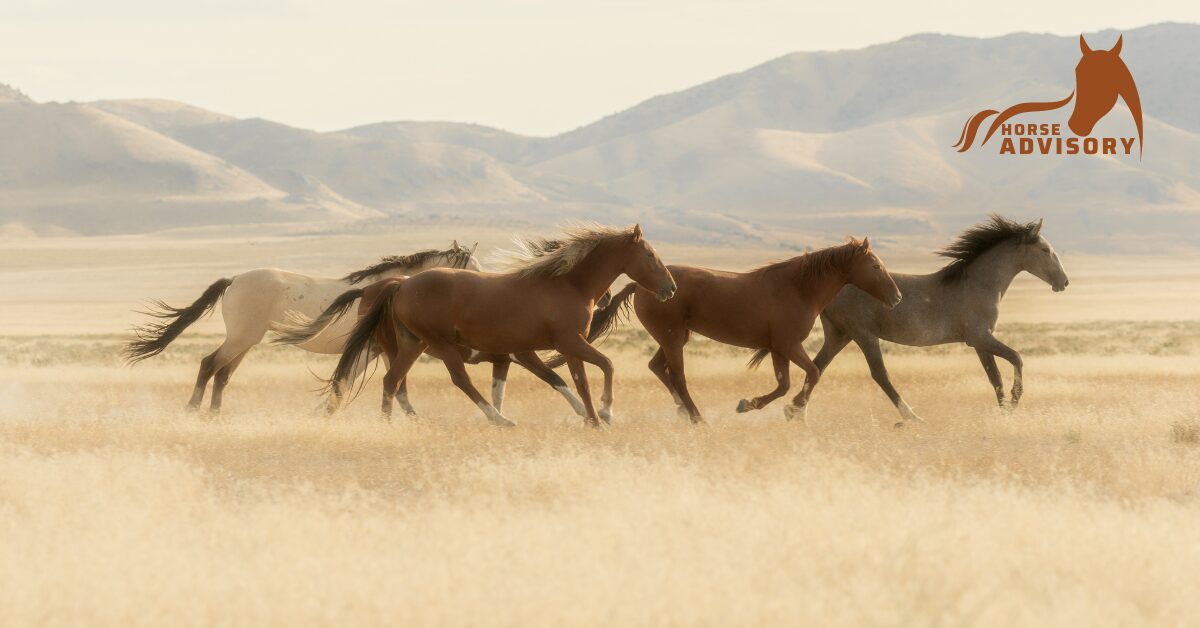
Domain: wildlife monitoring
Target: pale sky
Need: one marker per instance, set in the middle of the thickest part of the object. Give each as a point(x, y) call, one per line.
point(532, 66)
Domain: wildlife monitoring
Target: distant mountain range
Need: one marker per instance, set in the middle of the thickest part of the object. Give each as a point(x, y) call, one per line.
point(808, 144)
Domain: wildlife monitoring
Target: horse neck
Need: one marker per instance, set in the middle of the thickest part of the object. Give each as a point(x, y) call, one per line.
point(596, 272)
point(819, 289)
point(995, 269)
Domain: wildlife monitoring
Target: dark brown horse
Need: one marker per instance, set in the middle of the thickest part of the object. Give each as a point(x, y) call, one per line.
point(771, 308)
point(544, 302)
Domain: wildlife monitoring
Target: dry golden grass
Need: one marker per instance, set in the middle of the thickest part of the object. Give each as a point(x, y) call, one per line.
point(117, 508)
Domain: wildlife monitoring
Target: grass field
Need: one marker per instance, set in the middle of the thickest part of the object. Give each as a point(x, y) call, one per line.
point(1080, 508)
point(119, 508)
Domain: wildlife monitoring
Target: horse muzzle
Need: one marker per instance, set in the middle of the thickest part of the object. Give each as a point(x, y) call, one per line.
point(1059, 287)
point(895, 301)
point(665, 294)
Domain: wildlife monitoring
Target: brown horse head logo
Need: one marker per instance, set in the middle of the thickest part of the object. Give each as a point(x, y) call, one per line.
point(1100, 77)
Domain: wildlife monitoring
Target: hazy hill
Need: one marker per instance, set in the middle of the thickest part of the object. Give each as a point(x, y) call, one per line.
point(809, 143)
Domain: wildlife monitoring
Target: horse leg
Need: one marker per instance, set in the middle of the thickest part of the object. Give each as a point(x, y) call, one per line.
point(658, 366)
point(214, 362)
point(402, 399)
point(993, 374)
point(221, 379)
point(575, 365)
point(812, 375)
point(577, 347)
point(457, 368)
point(400, 363)
point(835, 341)
point(783, 381)
point(990, 344)
point(674, 356)
point(499, 380)
point(534, 364)
point(874, 355)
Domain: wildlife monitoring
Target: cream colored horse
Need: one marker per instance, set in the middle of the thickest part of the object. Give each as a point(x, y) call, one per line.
point(259, 300)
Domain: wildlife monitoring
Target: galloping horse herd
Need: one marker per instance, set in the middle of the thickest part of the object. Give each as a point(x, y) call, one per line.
point(554, 296)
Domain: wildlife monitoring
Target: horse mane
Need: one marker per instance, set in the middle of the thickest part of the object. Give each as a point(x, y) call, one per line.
point(457, 254)
point(980, 239)
point(545, 257)
point(815, 264)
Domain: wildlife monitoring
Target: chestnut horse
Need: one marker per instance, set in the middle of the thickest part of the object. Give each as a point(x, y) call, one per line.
point(959, 303)
point(300, 330)
point(545, 301)
point(771, 308)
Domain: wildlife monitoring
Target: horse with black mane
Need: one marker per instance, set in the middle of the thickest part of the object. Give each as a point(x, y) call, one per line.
point(959, 303)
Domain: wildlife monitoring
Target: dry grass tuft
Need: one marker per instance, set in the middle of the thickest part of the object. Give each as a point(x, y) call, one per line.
point(1187, 432)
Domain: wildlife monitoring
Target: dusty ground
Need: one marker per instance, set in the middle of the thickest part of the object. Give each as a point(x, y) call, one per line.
point(118, 508)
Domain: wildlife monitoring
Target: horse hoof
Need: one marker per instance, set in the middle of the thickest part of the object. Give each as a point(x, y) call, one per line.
point(743, 406)
point(792, 412)
point(683, 413)
point(606, 416)
point(503, 422)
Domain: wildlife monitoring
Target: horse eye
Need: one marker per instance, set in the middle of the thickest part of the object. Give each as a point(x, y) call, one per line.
point(877, 267)
point(1046, 250)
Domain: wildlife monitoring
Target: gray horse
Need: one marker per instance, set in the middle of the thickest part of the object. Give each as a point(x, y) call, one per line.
point(959, 303)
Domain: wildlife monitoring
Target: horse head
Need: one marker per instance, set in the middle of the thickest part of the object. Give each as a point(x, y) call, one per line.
point(1100, 77)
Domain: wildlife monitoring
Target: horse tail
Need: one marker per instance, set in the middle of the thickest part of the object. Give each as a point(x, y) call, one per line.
point(757, 358)
point(971, 128)
point(150, 339)
point(362, 336)
point(603, 320)
point(298, 329)
point(1025, 107)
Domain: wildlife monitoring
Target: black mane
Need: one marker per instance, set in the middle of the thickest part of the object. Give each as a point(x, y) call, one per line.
point(459, 256)
point(981, 238)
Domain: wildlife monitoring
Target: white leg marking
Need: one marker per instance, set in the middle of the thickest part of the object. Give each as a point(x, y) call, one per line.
point(576, 403)
point(495, 417)
point(907, 413)
point(498, 393)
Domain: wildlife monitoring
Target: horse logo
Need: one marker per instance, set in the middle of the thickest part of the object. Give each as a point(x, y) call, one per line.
point(1100, 77)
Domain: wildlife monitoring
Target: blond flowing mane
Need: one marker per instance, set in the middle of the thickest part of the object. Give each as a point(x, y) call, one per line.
point(543, 257)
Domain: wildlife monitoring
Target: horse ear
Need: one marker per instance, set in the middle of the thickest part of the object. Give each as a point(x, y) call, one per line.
point(1117, 48)
point(473, 247)
point(865, 245)
point(1083, 45)
point(637, 233)
point(454, 245)
point(1036, 230)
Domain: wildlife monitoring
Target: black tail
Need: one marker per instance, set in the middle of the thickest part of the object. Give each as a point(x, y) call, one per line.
point(151, 338)
point(362, 337)
point(603, 320)
point(758, 357)
point(299, 330)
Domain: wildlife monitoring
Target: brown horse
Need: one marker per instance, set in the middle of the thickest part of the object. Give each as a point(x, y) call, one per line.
point(300, 330)
point(544, 302)
point(771, 308)
point(1100, 77)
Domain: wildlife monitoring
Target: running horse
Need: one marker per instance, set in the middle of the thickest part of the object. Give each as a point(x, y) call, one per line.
point(301, 330)
point(959, 303)
point(1100, 77)
point(255, 301)
point(544, 301)
point(772, 308)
